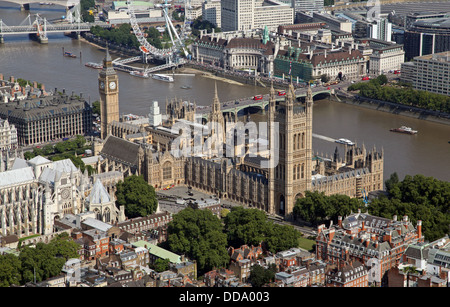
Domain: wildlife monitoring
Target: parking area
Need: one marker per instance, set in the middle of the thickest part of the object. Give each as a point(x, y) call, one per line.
point(168, 198)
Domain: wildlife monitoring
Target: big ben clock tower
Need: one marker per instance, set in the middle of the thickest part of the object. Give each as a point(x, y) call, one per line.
point(108, 84)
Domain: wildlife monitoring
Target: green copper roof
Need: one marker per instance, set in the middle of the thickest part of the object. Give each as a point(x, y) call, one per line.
point(159, 252)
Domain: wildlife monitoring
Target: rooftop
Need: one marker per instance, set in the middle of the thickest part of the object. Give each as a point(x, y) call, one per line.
point(159, 252)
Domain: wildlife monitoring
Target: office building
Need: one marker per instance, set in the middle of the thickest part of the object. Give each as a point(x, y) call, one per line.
point(429, 73)
point(380, 29)
point(427, 36)
point(212, 12)
point(48, 118)
point(385, 56)
point(307, 5)
point(238, 15)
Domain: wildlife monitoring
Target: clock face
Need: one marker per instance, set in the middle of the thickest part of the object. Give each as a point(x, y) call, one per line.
point(112, 85)
point(102, 85)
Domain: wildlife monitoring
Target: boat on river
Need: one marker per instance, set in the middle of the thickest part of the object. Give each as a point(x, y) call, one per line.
point(162, 77)
point(94, 65)
point(139, 74)
point(69, 54)
point(404, 129)
point(345, 142)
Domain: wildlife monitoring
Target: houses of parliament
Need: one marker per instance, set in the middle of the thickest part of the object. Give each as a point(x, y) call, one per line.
point(143, 148)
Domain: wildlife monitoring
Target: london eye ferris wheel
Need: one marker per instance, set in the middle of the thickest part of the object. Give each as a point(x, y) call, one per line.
point(177, 37)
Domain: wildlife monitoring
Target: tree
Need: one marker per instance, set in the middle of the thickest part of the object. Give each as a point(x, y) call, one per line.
point(420, 198)
point(199, 235)
point(96, 107)
point(46, 260)
point(317, 208)
point(281, 237)
point(10, 268)
point(391, 182)
point(324, 78)
point(251, 227)
point(260, 276)
point(138, 197)
point(246, 226)
point(161, 265)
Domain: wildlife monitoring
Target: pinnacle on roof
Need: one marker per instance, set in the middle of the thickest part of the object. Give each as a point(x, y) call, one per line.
point(216, 102)
point(108, 56)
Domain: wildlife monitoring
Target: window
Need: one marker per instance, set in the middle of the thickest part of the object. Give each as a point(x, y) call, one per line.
point(167, 171)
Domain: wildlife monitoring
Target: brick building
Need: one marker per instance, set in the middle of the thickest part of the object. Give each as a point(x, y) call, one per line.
point(245, 252)
point(351, 275)
point(94, 244)
point(378, 243)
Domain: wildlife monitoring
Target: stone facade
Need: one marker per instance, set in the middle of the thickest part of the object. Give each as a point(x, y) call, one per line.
point(8, 135)
point(242, 178)
point(109, 95)
point(48, 118)
point(236, 51)
point(36, 193)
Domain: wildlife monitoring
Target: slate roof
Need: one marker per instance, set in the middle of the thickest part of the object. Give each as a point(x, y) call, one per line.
point(369, 221)
point(42, 107)
point(121, 150)
point(319, 58)
point(240, 42)
point(350, 272)
point(339, 176)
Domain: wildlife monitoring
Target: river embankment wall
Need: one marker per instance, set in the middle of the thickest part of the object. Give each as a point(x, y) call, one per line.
point(393, 108)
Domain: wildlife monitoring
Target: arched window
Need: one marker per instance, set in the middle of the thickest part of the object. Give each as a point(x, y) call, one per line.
point(167, 171)
point(98, 214)
point(107, 216)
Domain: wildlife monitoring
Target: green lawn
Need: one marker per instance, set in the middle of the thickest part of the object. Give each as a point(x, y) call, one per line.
point(306, 244)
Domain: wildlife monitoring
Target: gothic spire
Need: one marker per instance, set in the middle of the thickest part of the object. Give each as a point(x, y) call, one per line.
point(108, 56)
point(216, 102)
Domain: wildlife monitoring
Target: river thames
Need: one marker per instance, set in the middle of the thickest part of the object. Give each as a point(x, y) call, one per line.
point(426, 153)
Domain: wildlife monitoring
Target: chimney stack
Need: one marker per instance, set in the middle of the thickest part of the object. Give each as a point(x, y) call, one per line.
point(340, 221)
point(419, 229)
point(331, 235)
